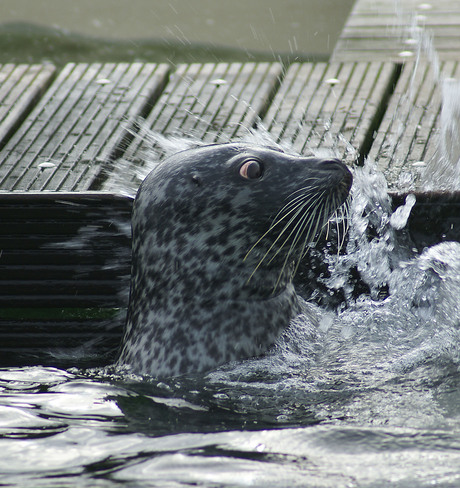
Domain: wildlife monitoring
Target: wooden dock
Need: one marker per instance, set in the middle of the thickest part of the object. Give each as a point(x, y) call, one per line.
point(84, 121)
point(63, 130)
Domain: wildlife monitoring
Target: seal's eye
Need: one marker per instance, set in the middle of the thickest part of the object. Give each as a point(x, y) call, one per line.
point(251, 169)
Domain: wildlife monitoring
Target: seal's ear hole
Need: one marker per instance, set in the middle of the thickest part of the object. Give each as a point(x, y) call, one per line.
point(251, 169)
point(197, 180)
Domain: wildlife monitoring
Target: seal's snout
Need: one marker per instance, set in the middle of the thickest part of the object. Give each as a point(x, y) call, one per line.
point(338, 173)
point(334, 165)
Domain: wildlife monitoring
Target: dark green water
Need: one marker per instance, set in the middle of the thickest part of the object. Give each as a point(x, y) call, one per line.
point(175, 31)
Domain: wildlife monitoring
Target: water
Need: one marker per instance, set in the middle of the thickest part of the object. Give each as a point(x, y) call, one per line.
point(443, 171)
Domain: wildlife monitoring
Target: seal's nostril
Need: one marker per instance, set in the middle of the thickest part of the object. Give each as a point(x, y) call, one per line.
point(337, 172)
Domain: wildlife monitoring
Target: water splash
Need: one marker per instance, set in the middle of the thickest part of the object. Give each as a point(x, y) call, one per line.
point(443, 171)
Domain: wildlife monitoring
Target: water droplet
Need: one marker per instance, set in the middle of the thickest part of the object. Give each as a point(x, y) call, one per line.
point(398, 219)
point(410, 42)
point(425, 6)
point(103, 81)
point(221, 396)
point(260, 447)
point(332, 81)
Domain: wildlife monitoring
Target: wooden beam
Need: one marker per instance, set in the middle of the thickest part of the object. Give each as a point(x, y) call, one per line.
point(408, 137)
point(207, 102)
point(382, 30)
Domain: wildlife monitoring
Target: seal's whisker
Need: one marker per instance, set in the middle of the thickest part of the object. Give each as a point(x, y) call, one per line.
point(312, 231)
point(301, 226)
point(306, 192)
point(304, 247)
point(342, 223)
point(346, 220)
point(323, 220)
point(299, 210)
point(306, 213)
point(278, 220)
point(304, 224)
point(295, 203)
point(328, 227)
point(341, 229)
point(313, 217)
point(305, 188)
point(344, 212)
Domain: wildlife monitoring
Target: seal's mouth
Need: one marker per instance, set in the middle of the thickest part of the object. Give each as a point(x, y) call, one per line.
point(322, 201)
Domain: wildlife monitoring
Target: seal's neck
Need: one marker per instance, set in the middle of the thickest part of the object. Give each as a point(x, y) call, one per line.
point(188, 317)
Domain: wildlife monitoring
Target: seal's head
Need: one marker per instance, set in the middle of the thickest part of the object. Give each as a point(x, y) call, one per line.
point(217, 233)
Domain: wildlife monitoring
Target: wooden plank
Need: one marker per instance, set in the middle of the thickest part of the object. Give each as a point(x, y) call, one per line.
point(214, 102)
point(331, 108)
point(78, 124)
point(408, 137)
point(20, 87)
point(383, 30)
point(63, 250)
point(209, 102)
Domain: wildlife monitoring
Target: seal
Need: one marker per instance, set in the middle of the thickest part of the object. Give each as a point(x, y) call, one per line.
point(218, 232)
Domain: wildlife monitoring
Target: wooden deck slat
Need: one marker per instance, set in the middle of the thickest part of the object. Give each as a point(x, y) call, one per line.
point(380, 30)
point(78, 124)
point(409, 133)
point(312, 113)
point(217, 101)
point(20, 87)
point(64, 273)
point(209, 102)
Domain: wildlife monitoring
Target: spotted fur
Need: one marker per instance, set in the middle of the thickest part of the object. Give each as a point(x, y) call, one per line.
point(203, 291)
